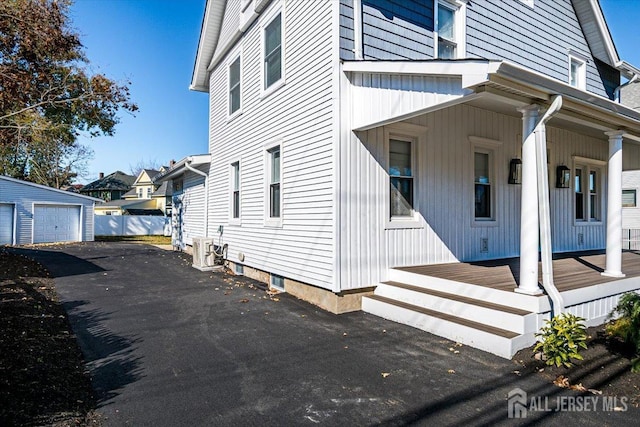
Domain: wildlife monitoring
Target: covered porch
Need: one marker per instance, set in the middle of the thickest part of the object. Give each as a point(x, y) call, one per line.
point(490, 279)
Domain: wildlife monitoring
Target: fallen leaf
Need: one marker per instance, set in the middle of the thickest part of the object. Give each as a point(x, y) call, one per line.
point(385, 374)
point(562, 381)
point(578, 387)
point(451, 371)
point(593, 391)
point(344, 334)
point(516, 372)
point(243, 300)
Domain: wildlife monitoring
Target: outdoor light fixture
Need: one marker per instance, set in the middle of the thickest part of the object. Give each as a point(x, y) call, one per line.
point(515, 171)
point(563, 176)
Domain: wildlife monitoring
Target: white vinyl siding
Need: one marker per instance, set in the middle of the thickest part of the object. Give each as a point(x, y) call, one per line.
point(192, 207)
point(444, 185)
point(299, 117)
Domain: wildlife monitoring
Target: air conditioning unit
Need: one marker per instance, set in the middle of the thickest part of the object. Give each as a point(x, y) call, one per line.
point(203, 254)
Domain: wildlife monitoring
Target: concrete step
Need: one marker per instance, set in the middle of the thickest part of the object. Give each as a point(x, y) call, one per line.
point(501, 342)
point(476, 310)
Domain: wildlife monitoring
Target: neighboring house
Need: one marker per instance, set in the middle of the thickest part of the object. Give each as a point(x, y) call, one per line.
point(630, 94)
point(144, 198)
point(33, 213)
point(630, 207)
point(110, 187)
point(350, 138)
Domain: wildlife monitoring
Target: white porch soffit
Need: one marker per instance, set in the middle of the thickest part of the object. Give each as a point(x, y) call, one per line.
point(383, 92)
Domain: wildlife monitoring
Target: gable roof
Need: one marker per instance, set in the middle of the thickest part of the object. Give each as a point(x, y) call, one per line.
point(150, 173)
point(598, 36)
point(44, 187)
point(115, 181)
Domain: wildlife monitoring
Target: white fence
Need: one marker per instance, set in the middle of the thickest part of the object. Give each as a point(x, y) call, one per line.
point(132, 225)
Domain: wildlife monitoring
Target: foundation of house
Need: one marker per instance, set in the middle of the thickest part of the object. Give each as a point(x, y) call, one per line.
point(337, 303)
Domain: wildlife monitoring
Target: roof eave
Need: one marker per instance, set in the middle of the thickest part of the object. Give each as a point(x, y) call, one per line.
point(209, 35)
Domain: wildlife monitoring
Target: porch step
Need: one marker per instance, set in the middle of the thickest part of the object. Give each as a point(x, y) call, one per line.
point(498, 341)
point(532, 304)
point(476, 310)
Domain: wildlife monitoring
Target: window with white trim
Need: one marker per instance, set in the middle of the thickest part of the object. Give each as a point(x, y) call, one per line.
point(586, 185)
point(401, 178)
point(234, 86)
point(272, 54)
point(275, 194)
point(629, 198)
point(482, 185)
point(577, 72)
point(449, 29)
point(235, 190)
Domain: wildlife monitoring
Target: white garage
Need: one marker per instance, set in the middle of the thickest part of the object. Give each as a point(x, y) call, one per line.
point(32, 213)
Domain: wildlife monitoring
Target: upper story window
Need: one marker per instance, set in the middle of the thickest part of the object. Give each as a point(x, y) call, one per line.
point(234, 86)
point(148, 192)
point(446, 32)
point(577, 72)
point(450, 29)
point(273, 51)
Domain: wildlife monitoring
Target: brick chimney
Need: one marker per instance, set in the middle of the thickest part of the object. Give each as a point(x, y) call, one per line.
point(172, 163)
point(101, 175)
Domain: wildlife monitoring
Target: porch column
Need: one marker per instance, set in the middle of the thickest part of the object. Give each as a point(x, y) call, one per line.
point(529, 220)
point(614, 206)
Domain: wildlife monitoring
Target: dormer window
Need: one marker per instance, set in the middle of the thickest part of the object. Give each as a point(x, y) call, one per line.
point(450, 29)
point(577, 72)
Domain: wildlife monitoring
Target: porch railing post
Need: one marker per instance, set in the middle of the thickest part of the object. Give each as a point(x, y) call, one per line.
point(614, 206)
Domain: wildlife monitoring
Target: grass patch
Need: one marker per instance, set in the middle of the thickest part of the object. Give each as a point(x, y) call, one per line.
point(152, 240)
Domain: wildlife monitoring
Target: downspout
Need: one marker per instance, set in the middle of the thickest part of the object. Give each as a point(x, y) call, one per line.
point(187, 165)
point(543, 206)
point(616, 92)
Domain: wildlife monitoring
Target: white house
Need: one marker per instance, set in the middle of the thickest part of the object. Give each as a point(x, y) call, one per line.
point(190, 204)
point(408, 147)
point(33, 213)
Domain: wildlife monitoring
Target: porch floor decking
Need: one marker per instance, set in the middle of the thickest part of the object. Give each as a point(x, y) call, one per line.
point(570, 271)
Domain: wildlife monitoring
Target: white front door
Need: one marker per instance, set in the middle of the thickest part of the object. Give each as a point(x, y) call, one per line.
point(6, 224)
point(56, 223)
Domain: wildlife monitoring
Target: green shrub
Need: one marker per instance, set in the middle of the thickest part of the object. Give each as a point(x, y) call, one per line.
point(627, 324)
point(561, 339)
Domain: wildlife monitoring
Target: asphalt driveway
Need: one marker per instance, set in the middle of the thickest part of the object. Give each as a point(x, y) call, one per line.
point(168, 345)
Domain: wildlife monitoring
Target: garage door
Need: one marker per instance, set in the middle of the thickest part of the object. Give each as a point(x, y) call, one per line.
point(6, 224)
point(56, 223)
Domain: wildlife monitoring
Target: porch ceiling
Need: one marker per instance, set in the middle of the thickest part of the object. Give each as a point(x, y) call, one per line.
point(503, 88)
